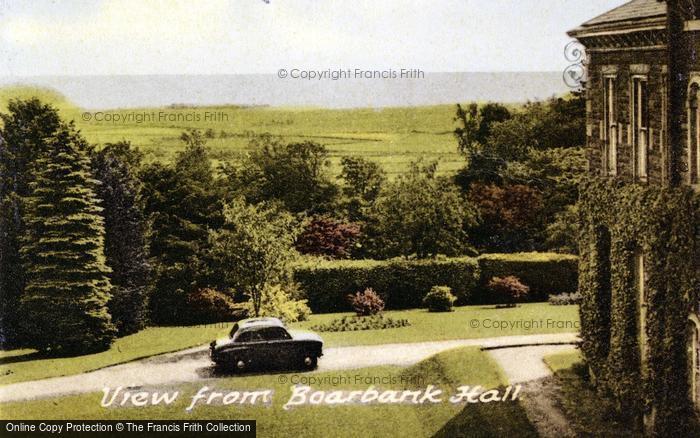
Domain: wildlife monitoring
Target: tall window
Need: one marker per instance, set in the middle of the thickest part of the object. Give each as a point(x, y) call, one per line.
point(693, 136)
point(603, 277)
point(664, 129)
point(640, 125)
point(610, 127)
point(640, 280)
point(694, 360)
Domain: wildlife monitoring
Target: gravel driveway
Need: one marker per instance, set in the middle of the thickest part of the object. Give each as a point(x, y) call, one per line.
point(193, 365)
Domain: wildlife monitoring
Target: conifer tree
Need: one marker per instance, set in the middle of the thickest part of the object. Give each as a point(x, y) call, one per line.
point(25, 128)
point(115, 166)
point(67, 286)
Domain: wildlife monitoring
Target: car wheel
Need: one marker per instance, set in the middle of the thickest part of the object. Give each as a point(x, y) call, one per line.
point(309, 362)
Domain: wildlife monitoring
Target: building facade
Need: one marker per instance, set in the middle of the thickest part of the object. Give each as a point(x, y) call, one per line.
point(640, 231)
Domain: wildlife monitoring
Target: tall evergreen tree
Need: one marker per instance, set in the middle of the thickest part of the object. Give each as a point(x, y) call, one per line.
point(67, 289)
point(25, 130)
point(125, 234)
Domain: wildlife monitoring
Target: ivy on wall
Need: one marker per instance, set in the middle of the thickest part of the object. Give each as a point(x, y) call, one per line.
point(617, 221)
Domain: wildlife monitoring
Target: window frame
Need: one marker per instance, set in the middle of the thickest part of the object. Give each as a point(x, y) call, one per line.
point(639, 99)
point(610, 128)
point(693, 105)
point(642, 306)
point(694, 362)
point(663, 139)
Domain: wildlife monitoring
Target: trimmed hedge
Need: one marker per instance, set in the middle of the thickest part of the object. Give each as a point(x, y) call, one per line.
point(401, 283)
point(544, 273)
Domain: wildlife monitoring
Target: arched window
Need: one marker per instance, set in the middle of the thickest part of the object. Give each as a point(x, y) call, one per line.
point(694, 360)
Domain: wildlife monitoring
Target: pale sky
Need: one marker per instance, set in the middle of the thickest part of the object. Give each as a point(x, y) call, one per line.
point(132, 37)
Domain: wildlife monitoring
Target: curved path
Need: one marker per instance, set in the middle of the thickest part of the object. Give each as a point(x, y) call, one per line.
point(193, 365)
point(525, 365)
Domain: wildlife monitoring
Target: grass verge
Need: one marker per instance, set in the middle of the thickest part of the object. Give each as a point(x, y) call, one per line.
point(447, 370)
point(22, 365)
point(589, 413)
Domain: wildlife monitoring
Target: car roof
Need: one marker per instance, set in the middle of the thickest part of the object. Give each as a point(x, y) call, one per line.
point(259, 323)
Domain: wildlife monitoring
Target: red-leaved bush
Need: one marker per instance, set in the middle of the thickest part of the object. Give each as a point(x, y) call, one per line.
point(366, 303)
point(328, 237)
point(508, 290)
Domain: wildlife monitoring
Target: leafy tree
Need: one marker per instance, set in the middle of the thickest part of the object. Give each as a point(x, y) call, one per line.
point(183, 202)
point(508, 216)
point(363, 178)
point(25, 131)
point(562, 233)
point(295, 174)
point(490, 113)
point(255, 248)
point(536, 152)
point(116, 166)
point(68, 288)
point(363, 181)
point(556, 173)
point(474, 125)
point(467, 130)
point(324, 236)
point(558, 122)
point(422, 215)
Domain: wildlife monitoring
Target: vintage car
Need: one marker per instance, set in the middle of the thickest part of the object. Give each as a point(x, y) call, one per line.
point(266, 343)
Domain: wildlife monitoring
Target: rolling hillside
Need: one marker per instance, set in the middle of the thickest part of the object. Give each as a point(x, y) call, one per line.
point(393, 137)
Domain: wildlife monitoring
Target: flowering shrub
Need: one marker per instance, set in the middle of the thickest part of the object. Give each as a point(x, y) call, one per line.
point(508, 289)
point(279, 303)
point(355, 323)
point(565, 299)
point(366, 303)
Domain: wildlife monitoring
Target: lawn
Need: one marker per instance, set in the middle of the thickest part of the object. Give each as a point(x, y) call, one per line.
point(447, 370)
point(392, 137)
point(563, 361)
point(22, 365)
point(466, 322)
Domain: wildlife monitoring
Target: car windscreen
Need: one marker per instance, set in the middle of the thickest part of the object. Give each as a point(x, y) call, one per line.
point(233, 330)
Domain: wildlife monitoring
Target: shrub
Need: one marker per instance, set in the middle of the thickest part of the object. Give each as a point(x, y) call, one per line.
point(565, 299)
point(278, 303)
point(328, 237)
point(544, 273)
point(366, 303)
point(508, 289)
point(209, 306)
point(401, 283)
point(439, 299)
point(355, 323)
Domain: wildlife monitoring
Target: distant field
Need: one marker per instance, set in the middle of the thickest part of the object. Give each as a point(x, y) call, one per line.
point(392, 137)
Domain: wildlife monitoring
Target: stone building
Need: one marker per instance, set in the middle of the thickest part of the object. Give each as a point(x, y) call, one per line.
point(640, 244)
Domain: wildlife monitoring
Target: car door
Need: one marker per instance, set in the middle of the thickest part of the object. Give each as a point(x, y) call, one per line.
point(278, 345)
